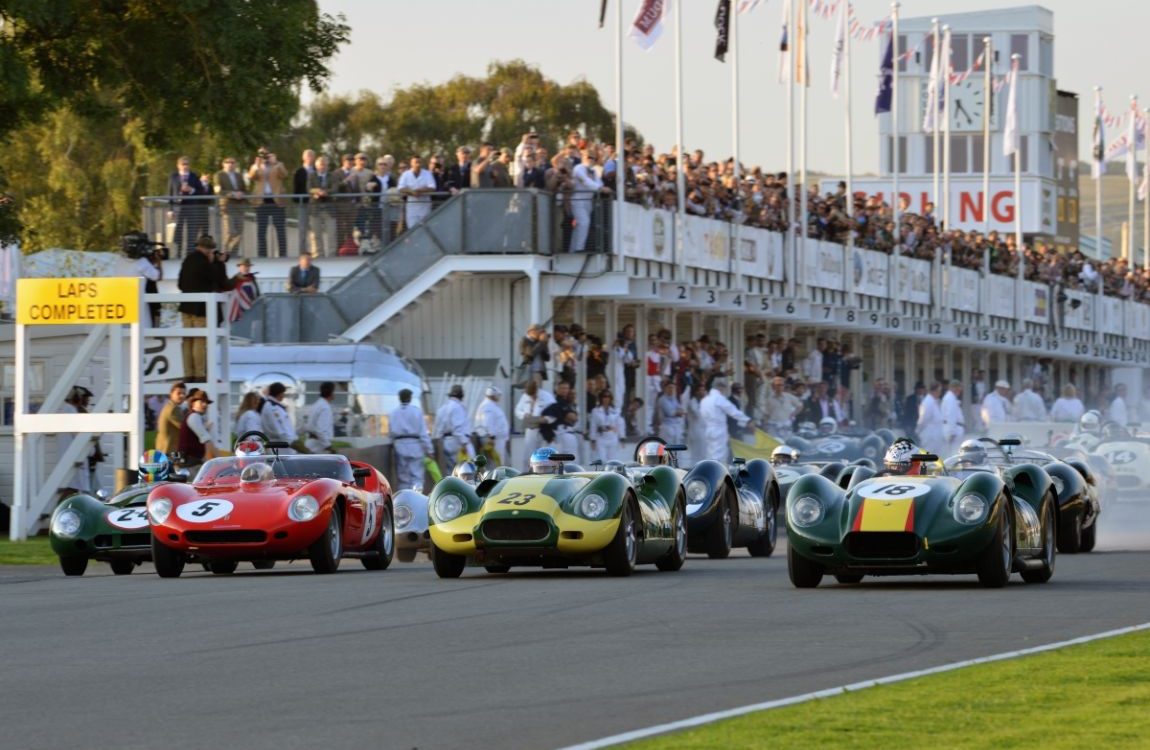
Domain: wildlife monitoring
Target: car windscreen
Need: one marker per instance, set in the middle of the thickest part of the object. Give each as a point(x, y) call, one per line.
point(228, 468)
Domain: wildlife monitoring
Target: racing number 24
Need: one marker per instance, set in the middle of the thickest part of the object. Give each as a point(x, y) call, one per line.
point(517, 498)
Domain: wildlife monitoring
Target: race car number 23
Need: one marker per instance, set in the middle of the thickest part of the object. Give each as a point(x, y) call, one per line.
point(517, 498)
point(892, 491)
point(205, 511)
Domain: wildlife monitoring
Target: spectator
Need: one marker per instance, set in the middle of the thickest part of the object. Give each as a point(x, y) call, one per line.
point(953, 423)
point(529, 412)
point(346, 189)
point(321, 183)
point(304, 277)
point(266, 177)
point(558, 180)
point(196, 442)
point(248, 414)
point(607, 428)
point(671, 414)
point(230, 195)
point(379, 221)
point(459, 176)
point(714, 410)
point(416, 186)
point(536, 353)
point(586, 186)
point(500, 170)
point(492, 423)
point(453, 430)
point(879, 407)
point(81, 480)
point(319, 424)
point(435, 166)
point(275, 420)
point(189, 207)
point(300, 179)
point(203, 271)
point(1068, 408)
point(557, 424)
point(1117, 411)
point(481, 168)
point(997, 406)
point(780, 408)
point(531, 176)
point(170, 418)
point(1028, 405)
point(930, 428)
point(410, 442)
point(151, 269)
point(910, 410)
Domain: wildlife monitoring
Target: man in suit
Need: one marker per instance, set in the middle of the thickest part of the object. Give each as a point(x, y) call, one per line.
point(345, 206)
point(435, 166)
point(303, 278)
point(321, 184)
point(230, 191)
point(299, 187)
point(531, 176)
point(459, 176)
point(267, 176)
point(189, 207)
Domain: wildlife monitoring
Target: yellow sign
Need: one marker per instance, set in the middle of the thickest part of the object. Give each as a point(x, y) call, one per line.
point(77, 301)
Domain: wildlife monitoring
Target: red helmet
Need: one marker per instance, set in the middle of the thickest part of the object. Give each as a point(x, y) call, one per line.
point(653, 454)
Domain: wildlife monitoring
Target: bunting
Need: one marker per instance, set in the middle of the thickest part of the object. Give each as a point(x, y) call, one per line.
point(746, 6)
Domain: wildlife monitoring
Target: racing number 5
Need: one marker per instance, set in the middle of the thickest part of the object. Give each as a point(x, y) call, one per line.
point(205, 508)
point(517, 498)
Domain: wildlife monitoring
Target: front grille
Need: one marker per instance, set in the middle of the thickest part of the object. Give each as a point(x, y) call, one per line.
point(239, 536)
point(108, 541)
point(515, 529)
point(881, 544)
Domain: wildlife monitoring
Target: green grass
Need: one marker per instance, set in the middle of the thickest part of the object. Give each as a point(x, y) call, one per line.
point(34, 551)
point(1094, 695)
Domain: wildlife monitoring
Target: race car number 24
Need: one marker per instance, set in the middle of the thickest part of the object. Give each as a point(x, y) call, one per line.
point(205, 511)
point(128, 518)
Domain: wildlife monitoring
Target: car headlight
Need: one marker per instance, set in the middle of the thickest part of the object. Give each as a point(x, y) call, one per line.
point(593, 506)
point(303, 508)
point(970, 509)
point(66, 523)
point(160, 509)
point(403, 516)
point(807, 511)
point(448, 507)
point(696, 491)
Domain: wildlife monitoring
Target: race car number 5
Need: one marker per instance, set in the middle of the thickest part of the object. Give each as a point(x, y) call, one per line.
point(204, 511)
point(128, 518)
point(892, 490)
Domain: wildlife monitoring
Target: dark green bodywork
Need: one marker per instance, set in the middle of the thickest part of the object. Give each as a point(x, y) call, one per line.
point(99, 540)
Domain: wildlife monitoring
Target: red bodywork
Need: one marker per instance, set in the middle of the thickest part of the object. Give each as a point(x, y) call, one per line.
point(257, 526)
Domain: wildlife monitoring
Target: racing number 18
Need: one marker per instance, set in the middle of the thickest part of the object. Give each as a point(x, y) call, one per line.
point(894, 489)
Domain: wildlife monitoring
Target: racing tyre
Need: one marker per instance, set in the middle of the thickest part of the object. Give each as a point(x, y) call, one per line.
point(223, 567)
point(497, 568)
point(1049, 550)
point(764, 546)
point(446, 564)
point(804, 573)
point(325, 552)
point(1090, 536)
point(263, 564)
point(997, 562)
point(122, 567)
point(169, 563)
point(73, 566)
point(677, 555)
point(848, 578)
point(384, 551)
point(721, 535)
point(622, 554)
point(1070, 536)
point(406, 554)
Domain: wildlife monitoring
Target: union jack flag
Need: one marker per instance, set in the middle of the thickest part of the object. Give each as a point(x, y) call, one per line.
point(242, 297)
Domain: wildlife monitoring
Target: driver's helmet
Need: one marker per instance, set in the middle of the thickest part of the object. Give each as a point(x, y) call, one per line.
point(615, 466)
point(542, 463)
point(467, 471)
point(807, 429)
point(898, 457)
point(1090, 423)
point(972, 453)
point(653, 454)
point(784, 455)
point(827, 426)
point(154, 466)
point(1114, 431)
point(251, 446)
point(257, 473)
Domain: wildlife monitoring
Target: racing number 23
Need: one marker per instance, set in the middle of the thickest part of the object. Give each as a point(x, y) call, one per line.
point(517, 498)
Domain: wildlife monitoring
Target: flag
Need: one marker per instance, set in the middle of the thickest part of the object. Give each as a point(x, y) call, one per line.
point(722, 29)
point(759, 445)
point(784, 43)
point(802, 75)
point(603, 12)
point(1010, 135)
point(839, 50)
point(648, 23)
point(930, 112)
point(882, 102)
point(746, 6)
point(1099, 140)
point(1144, 186)
point(241, 299)
point(1132, 147)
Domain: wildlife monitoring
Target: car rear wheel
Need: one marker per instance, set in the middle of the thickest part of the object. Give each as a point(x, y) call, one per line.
point(446, 564)
point(764, 546)
point(622, 554)
point(722, 533)
point(73, 566)
point(384, 551)
point(677, 555)
point(1090, 536)
point(263, 564)
point(997, 562)
point(1049, 550)
point(122, 567)
point(169, 562)
point(1070, 536)
point(223, 567)
point(804, 573)
point(325, 552)
point(848, 578)
point(406, 554)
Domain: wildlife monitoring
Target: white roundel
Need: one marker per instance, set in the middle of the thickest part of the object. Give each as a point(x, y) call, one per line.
point(892, 488)
point(1120, 457)
point(786, 475)
point(204, 511)
point(128, 518)
point(830, 446)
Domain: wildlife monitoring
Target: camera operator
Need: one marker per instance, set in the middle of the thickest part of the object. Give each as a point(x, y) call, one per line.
point(151, 268)
point(204, 271)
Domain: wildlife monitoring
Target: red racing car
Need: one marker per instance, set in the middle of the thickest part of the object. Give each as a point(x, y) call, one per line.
point(262, 507)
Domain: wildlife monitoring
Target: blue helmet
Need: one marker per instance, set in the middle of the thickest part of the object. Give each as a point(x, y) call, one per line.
point(542, 463)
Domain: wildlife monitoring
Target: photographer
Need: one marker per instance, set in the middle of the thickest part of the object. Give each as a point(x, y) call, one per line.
point(266, 176)
point(203, 271)
point(535, 351)
point(558, 180)
point(151, 268)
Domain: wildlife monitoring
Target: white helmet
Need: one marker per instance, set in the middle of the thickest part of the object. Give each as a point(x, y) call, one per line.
point(784, 454)
point(1090, 422)
point(827, 426)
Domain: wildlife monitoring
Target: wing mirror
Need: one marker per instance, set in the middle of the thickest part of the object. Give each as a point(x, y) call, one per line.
point(361, 474)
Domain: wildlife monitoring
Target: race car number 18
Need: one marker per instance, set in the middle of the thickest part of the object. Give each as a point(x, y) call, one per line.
point(892, 490)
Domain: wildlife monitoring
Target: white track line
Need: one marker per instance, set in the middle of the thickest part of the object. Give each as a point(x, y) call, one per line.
point(696, 721)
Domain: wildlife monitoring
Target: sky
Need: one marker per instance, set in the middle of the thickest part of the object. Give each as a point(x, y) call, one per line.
point(395, 43)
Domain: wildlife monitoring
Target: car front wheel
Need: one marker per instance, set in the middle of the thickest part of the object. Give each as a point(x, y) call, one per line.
point(169, 562)
point(677, 555)
point(446, 564)
point(384, 550)
point(721, 534)
point(997, 562)
point(73, 566)
point(325, 552)
point(804, 573)
point(622, 553)
point(1049, 550)
point(122, 567)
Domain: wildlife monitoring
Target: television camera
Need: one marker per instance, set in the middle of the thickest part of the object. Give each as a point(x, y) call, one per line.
point(136, 245)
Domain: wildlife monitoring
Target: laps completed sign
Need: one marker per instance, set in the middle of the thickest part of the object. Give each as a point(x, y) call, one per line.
point(91, 301)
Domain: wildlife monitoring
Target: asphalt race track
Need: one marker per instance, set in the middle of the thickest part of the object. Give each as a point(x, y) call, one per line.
point(400, 659)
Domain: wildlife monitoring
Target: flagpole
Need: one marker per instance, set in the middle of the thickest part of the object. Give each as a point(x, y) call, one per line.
point(1014, 62)
point(792, 248)
point(733, 45)
point(988, 104)
point(945, 114)
point(801, 64)
point(933, 104)
point(1101, 169)
point(680, 159)
point(849, 208)
point(620, 150)
point(896, 199)
point(1146, 198)
point(1133, 175)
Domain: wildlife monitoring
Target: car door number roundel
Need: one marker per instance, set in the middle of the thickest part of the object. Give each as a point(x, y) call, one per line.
point(831, 446)
point(892, 490)
point(1120, 457)
point(204, 511)
point(128, 518)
